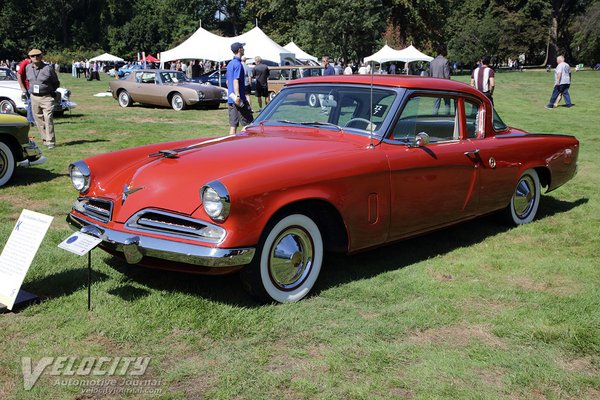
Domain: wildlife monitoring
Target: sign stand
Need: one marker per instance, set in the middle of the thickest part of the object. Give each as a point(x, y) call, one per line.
point(23, 299)
point(81, 243)
point(17, 256)
point(90, 280)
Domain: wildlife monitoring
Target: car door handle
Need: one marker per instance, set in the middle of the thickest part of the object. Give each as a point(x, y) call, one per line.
point(472, 154)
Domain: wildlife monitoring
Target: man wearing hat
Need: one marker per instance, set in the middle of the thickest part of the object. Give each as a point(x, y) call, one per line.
point(237, 105)
point(43, 83)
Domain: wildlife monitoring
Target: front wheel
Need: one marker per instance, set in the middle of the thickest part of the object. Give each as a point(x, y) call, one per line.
point(288, 260)
point(7, 106)
point(124, 99)
point(312, 100)
point(7, 163)
point(177, 102)
point(525, 201)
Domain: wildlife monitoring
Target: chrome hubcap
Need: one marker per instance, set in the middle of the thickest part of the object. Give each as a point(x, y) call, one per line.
point(291, 258)
point(124, 98)
point(3, 164)
point(6, 107)
point(524, 197)
point(177, 102)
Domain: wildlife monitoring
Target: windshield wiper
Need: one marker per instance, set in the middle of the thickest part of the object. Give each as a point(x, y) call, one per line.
point(318, 123)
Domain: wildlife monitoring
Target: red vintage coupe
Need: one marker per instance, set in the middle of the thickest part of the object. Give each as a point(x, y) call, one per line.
point(373, 161)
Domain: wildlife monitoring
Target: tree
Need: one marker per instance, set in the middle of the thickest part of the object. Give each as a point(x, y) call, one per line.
point(586, 35)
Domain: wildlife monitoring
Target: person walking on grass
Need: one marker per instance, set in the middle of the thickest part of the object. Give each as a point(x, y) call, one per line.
point(562, 82)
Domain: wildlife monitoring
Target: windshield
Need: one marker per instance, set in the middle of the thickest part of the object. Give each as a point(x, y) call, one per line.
point(7, 75)
point(353, 107)
point(173, 77)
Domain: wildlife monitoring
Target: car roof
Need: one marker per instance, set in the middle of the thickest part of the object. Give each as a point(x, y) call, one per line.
point(404, 81)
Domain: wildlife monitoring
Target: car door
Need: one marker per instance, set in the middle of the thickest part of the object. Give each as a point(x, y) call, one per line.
point(434, 184)
point(148, 88)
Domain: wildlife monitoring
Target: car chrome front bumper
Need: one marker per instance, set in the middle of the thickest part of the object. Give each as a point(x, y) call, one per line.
point(135, 247)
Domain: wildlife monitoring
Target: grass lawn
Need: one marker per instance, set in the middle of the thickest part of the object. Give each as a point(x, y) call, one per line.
point(475, 311)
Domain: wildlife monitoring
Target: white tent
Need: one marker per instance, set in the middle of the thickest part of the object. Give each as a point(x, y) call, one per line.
point(300, 54)
point(106, 58)
point(411, 54)
point(387, 54)
point(259, 44)
point(208, 46)
point(202, 45)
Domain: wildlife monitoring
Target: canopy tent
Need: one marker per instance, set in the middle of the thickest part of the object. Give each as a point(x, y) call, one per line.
point(107, 58)
point(387, 54)
point(300, 54)
point(204, 45)
point(411, 54)
point(259, 44)
point(150, 58)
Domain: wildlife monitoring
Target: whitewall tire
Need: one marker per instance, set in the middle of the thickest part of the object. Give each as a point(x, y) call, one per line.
point(525, 200)
point(7, 163)
point(288, 261)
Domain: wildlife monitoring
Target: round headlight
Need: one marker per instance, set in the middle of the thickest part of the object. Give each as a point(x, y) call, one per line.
point(215, 200)
point(80, 176)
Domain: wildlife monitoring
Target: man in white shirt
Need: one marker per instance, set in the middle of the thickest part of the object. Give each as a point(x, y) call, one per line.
point(562, 82)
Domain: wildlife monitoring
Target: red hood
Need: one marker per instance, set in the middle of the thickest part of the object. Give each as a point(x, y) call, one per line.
point(174, 183)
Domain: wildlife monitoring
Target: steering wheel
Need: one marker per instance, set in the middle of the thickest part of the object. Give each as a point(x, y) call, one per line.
point(366, 121)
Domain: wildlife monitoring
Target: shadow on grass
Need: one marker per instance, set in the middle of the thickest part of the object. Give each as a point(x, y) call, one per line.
point(64, 283)
point(338, 269)
point(31, 175)
point(78, 142)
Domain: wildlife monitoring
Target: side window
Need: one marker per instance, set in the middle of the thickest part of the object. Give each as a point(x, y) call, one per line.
point(434, 115)
point(499, 125)
point(138, 77)
point(148, 77)
point(474, 119)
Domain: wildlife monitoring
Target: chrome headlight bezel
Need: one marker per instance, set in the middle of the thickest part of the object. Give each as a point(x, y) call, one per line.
point(215, 201)
point(80, 174)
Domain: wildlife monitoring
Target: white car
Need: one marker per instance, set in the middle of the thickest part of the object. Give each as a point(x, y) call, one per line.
point(12, 99)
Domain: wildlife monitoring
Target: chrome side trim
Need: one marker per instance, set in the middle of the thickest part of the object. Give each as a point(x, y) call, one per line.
point(135, 247)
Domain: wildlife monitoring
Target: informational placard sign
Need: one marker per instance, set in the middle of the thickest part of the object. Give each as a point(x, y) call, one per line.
point(80, 243)
point(18, 254)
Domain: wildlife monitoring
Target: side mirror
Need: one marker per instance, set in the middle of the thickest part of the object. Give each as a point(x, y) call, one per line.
point(422, 139)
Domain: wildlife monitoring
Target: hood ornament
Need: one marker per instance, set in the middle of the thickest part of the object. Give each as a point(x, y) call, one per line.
point(127, 190)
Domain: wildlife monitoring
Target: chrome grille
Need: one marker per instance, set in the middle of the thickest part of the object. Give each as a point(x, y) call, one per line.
point(98, 209)
point(174, 225)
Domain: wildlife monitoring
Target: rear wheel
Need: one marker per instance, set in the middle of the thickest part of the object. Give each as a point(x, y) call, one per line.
point(312, 100)
point(272, 95)
point(7, 163)
point(288, 260)
point(177, 102)
point(124, 99)
point(525, 201)
point(7, 106)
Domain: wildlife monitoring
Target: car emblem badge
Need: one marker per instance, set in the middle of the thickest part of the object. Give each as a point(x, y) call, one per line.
point(127, 190)
point(492, 162)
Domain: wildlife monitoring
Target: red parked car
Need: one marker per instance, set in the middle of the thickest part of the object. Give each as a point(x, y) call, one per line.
point(375, 160)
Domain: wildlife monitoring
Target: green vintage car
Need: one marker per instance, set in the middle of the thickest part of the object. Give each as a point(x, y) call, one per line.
point(16, 148)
